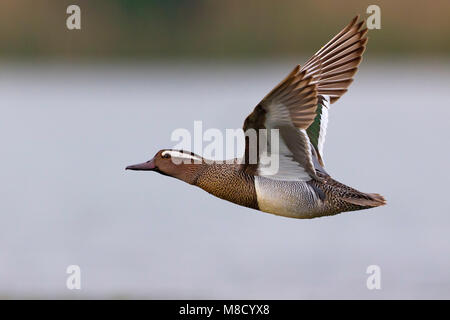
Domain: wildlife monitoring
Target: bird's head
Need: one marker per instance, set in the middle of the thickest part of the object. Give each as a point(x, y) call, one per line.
point(179, 164)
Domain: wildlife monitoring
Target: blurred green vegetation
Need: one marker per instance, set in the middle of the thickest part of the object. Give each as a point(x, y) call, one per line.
point(203, 29)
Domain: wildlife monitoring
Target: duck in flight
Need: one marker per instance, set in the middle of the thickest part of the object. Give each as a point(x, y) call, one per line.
point(298, 109)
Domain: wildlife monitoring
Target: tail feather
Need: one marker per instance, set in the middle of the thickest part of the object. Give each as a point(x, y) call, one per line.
point(345, 198)
point(366, 200)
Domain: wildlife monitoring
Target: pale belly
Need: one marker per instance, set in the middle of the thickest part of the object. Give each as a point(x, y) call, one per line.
point(294, 199)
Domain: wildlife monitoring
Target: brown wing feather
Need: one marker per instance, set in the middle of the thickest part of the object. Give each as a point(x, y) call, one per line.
point(290, 106)
point(298, 95)
point(334, 65)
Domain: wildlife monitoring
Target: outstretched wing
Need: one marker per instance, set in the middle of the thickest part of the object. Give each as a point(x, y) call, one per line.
point(332, 69)
point(298, 107)
point(289, 108)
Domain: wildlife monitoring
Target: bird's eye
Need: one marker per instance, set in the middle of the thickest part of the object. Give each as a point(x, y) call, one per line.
point(166, 156)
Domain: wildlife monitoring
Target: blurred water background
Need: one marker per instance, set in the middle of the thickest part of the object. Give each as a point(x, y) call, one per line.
point(78, 106)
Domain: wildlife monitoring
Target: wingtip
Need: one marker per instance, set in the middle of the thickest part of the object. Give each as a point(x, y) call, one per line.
point(353, 21)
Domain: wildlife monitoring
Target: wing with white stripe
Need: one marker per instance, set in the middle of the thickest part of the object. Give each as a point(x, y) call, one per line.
point(332, 69)
point(289, 108)
point(298, 106)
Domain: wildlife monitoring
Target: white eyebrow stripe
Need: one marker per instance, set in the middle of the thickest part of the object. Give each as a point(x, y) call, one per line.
point(178, 154)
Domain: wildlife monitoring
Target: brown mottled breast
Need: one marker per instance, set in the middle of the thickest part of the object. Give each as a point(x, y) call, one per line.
point(229, 182)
